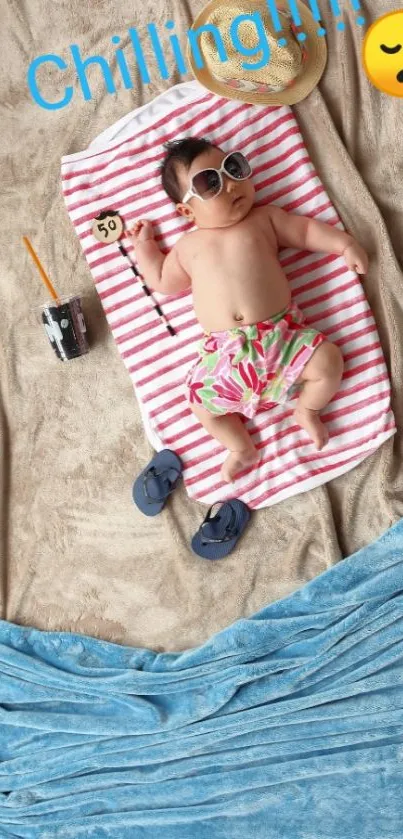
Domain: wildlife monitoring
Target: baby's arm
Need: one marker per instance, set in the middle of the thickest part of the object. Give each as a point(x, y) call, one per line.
point(161, 273)
point(295, 231)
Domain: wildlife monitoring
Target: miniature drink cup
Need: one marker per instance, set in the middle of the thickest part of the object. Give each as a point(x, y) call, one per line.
point(65, 327)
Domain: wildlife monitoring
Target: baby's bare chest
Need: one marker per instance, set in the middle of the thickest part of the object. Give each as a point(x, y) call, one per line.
point(239, 249)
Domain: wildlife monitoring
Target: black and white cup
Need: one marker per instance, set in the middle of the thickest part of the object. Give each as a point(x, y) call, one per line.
point(65, 327)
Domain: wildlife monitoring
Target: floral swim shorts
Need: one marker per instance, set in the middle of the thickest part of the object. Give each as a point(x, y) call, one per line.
point(251, 368)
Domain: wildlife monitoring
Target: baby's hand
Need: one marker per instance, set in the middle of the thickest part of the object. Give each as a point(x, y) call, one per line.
point(142, 231)
point(356, 258)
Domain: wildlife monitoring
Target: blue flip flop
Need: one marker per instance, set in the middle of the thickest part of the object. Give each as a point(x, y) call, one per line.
point(218, 534)
point(156, 482)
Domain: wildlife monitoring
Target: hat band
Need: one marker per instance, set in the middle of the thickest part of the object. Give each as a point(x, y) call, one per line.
point(248, 85)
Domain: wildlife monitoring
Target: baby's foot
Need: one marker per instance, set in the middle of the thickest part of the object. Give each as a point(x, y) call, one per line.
point(309, 420)
point(236, 461)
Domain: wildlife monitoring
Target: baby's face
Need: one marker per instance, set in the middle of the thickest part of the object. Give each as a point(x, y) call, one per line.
point(229, 207)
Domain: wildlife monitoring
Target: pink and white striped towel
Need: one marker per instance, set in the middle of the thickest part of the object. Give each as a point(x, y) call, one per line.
point(120, 171)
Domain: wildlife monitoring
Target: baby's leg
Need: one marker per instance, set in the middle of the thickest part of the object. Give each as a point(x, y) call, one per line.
point(321, 379)
point(231, 432)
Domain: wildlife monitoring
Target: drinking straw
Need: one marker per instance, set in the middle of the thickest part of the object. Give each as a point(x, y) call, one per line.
point(146, 290)
point(40, 268)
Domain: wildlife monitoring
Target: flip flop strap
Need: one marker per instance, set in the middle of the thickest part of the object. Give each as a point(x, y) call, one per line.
point(153, 473)
point(230, 530)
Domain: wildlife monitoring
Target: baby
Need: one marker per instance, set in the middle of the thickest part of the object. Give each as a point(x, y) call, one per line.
point(256, 346)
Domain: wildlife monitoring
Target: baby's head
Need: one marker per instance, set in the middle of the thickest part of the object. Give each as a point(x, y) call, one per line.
point(184, 172)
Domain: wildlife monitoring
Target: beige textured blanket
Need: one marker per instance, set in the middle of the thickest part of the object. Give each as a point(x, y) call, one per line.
point(76, 554)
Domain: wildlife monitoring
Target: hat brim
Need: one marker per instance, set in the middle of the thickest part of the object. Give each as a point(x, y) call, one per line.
point(312, 70)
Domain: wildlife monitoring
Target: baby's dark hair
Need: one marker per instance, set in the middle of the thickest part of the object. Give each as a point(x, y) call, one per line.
point(183, 152)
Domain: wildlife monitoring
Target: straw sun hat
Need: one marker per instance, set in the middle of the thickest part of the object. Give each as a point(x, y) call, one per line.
point(291, 71)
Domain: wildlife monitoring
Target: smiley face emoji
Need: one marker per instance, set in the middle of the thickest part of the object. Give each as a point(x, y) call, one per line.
point(383, 53)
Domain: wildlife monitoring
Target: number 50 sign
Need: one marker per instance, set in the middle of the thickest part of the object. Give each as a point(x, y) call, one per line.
point(107, 227)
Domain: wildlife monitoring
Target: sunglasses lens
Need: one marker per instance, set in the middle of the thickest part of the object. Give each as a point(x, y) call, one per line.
point(237, 166)
point(206, 183)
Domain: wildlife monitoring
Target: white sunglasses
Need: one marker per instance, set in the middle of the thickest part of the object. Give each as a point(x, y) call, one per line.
point(208, 183)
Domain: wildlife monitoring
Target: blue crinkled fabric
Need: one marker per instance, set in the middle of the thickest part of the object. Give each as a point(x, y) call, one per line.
point(286, 725)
